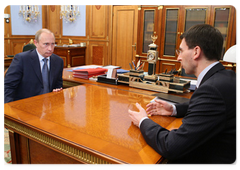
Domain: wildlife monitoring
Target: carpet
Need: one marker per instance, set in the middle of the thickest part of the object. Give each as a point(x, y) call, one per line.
point(6, 153)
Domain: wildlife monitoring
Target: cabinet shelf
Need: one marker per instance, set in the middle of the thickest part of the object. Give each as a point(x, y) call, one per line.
point(192, 20)
point(171, 20)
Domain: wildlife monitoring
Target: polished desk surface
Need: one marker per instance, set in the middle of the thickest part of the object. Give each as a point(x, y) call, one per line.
point(93, 118)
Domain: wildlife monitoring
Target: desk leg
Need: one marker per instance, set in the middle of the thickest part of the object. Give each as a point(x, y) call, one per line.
point(13, 137)
point(19, 146)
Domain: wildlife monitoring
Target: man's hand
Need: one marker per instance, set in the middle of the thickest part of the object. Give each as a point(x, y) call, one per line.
point(56, 90)
point(159, 107)
point(137, 116)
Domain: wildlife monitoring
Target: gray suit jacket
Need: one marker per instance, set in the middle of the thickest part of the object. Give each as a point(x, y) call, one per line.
point(208, 130)
point(24, 78)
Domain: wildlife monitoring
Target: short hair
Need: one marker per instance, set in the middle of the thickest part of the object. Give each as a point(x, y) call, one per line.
point(39, 32)
point(208, 38)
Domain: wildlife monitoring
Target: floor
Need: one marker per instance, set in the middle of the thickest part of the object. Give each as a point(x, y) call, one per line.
point(7, 153)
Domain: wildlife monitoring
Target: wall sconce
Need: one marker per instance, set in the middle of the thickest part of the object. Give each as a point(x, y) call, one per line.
point(69, 12)
point(29, 12)
point(6, 17)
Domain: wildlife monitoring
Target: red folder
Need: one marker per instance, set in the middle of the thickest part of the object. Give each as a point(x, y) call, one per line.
point(90, 72)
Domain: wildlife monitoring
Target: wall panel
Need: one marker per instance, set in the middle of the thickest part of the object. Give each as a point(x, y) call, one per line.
point(7, 26)
point(17, 45)
point(98, 53)
point(53, 19)
point(98, 21)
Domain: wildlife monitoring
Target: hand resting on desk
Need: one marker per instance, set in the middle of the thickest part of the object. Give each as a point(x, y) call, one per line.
point(137, 116)
point(58, 89)
point(158, 107)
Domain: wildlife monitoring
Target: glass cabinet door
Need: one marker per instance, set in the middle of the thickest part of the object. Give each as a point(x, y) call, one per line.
point(221, 22)
point(148, 29)
point(171, 28)
point(194, 16)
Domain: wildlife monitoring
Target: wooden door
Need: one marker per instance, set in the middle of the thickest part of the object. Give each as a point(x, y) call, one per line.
point(124, 35)
point(223, 18)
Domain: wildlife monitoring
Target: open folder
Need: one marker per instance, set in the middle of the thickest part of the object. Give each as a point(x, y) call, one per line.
point(89, 72)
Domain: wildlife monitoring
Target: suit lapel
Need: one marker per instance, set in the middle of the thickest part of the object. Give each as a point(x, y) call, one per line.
point(36, 65)
point(212, 71)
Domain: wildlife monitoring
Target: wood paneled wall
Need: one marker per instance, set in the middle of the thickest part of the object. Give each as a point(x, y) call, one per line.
point(98, 32)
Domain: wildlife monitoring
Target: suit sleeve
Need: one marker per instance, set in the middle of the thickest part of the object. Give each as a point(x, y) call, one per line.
point(12, 79)
point(205, 114)
point(181, 109)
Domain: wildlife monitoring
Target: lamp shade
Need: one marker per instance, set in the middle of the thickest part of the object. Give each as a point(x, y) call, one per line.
point(230, 55)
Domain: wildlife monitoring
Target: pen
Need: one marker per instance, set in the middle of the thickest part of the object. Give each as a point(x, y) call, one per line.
point(130, 66)
point(138, 63)
point(134, 65)
point(138, 67)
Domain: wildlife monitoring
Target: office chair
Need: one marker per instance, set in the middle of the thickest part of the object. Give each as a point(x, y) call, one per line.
point(29, 46)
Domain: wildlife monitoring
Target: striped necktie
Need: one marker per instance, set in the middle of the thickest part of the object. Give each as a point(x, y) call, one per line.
point(45, 76)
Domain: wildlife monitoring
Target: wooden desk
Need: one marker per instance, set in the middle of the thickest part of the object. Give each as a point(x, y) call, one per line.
point(82, 124)
point(72, 56)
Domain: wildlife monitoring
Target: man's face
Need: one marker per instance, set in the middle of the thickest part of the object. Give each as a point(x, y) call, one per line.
point(186, 58)
point(46, 44)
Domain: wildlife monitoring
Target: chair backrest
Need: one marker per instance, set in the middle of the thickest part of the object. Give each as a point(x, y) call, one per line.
point(29, 46)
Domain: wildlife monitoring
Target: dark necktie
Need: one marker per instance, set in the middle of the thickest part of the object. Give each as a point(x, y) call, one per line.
point(45, 76)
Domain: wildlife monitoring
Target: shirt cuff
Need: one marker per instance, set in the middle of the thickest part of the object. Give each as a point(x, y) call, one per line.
point(174, 113)
point(142, 120)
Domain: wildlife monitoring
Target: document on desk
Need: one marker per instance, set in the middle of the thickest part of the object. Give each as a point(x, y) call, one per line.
point(90, 72)
point(112, 71)
point(86, 67)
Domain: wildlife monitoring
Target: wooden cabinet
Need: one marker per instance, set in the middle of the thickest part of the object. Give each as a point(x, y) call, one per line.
point(147, 26)
point(174, 20)
point(224, 19)
point(72, 56)
point(149, 23)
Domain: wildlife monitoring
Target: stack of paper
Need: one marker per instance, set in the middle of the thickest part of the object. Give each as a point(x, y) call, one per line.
point(89, 72)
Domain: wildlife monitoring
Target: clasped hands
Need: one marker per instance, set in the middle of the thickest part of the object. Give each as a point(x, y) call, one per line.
point(158, 107)
point(57, 89)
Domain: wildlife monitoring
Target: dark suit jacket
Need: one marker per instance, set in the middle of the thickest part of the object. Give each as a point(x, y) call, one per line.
point(24, 78)
point(208, 130)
